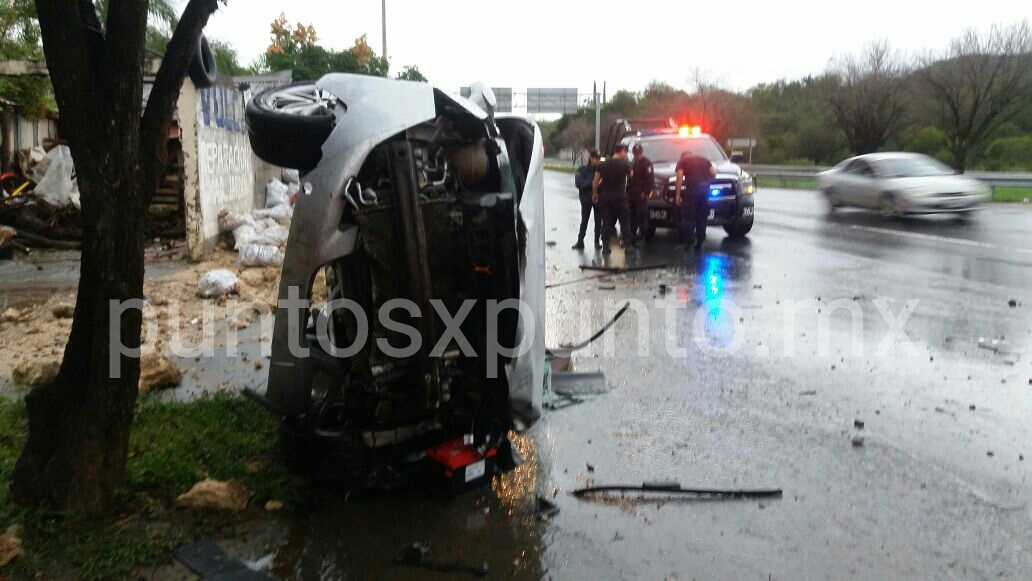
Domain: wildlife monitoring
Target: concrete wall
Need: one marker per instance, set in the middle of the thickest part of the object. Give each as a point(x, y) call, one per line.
point(220, 172)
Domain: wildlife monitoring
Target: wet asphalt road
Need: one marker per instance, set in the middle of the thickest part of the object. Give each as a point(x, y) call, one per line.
point(939, 489)
point(921, 499)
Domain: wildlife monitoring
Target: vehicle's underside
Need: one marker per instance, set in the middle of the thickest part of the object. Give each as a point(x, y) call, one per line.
point(435, 215)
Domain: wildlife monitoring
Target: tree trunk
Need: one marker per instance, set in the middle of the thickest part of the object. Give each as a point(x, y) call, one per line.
point(76, 452)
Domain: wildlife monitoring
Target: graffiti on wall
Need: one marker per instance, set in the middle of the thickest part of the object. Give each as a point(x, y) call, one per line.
point(222, 107)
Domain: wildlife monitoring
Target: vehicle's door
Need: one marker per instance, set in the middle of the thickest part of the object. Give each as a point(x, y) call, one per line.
point(859, 187)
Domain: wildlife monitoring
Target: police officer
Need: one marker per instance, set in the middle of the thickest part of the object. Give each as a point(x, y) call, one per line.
point(695, 172)
point(609, 191)
point(639, 190)
point(583, 180)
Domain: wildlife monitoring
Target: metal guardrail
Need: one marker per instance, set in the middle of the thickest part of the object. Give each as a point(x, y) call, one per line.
point(787, 172)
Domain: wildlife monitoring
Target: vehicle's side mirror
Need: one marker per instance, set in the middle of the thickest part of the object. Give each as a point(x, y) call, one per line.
point(737, 157)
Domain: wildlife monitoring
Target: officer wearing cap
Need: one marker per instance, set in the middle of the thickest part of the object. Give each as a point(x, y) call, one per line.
point(639, 190)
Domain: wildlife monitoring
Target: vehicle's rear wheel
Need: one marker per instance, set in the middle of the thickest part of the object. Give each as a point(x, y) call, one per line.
point(288, 125)
point(650, 232)
point(834, 202)
point(738, 229)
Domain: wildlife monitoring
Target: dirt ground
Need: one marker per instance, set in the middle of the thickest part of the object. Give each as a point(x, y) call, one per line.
point(37, 298)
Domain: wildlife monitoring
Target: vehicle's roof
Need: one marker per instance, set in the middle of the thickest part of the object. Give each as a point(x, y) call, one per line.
point(665, 136)
point(881, 156)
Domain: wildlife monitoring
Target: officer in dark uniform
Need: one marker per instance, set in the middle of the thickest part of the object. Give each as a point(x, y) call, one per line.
point(583, 179)
point(639, 190)
point(695, 173)
point(609, 190)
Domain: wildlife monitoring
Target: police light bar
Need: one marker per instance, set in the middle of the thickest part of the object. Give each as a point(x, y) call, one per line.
point(689, 131)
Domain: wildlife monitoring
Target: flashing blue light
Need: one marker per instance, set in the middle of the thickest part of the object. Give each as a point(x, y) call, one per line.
point(714, 192)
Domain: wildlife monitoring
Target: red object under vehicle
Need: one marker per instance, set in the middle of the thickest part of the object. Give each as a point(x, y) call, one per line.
point(459, 467)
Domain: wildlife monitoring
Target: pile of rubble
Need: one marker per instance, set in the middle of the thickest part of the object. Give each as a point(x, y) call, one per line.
point(259, 238)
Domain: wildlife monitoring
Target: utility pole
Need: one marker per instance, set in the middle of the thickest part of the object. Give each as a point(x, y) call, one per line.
point(598, 116)
point(383, 20)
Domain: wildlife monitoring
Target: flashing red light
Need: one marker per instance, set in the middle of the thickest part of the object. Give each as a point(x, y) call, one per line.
point(688, 130)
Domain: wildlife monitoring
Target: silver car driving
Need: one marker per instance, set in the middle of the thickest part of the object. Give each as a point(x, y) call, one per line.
point(901, 183)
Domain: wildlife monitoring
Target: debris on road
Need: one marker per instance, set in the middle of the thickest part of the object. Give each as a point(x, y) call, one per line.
point(10, 544)
point(35, 373)
point(622, 269)
point(995, 344)
point(157, 372)
point(207, 559)
point(1012, 303)
point(273, 506)
point(215, 495)
point(63, 311)
point(217, 283)
point(858, 441)
point(808, 392)
point(990, 453)
point(858, 424)
point(591, 468)
point(972, 407)
point(608, 287)
point(675, 488)
point(545, 508)
point(418, 555)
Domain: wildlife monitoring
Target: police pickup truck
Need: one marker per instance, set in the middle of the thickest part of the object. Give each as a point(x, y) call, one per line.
point(730, 193)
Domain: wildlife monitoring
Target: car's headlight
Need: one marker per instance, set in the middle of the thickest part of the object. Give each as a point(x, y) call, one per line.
point(747, 184)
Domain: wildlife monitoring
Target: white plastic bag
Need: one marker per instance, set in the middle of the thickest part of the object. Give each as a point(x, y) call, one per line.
point(230, 221)
point(282, 214)
point(244, 235)
point(276, 193)
point(260, 255)
point(58, 184)
point(217, 283)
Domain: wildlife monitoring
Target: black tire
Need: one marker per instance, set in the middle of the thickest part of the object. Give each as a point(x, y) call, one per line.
point(286, 139)
point(650, 232)
point(738, 230)
point(203, 70)
point(833, 200)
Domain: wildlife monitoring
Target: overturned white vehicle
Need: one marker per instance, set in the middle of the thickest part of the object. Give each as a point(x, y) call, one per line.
point(407, 193)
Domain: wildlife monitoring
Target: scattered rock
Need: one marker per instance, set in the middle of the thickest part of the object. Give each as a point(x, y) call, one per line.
point(1013, 303)
point(858, 441)
point(213, 494)
point(157, 372)
point(591, 468)
point(10, 545)
point(1021, 457)
point(35, 373)
point(972, 407)
point(940, 410)
point(858, 424)
point(273, 506)
point(550, 243)
point(63, 311)
point(990, 454)
point(257, 364)
point(12, 315)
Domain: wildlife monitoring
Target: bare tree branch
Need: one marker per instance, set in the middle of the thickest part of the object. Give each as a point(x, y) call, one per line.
point(980, 82)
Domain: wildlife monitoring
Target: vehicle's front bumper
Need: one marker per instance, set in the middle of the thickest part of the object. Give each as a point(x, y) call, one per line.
point(944, 204)
point(729, 208)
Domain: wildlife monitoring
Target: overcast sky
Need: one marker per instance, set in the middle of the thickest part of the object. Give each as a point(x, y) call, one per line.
point(551, 43)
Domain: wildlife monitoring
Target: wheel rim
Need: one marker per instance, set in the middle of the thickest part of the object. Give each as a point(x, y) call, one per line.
point(305, 100)
point(890, 207)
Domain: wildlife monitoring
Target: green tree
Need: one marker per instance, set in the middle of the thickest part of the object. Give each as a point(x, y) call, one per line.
point(226, 59)
point(20, 40)
point(411, 73)
point(296, 47)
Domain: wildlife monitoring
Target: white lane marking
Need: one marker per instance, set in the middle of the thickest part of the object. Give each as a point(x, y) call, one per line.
point(937, 238)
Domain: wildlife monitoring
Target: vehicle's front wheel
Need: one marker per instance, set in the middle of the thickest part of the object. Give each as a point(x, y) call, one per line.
point(739, 229)
point(891, 206)
point(834, 202)
point(288, 125)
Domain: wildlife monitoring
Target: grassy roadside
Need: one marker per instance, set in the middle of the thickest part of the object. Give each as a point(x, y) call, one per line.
point(560, 168)
point(1002, 194)
point(173, 445)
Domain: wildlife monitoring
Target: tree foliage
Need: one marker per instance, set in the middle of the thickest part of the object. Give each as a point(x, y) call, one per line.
point(296, 47)
point(411, 73)
point(982, 81)
point(20, 40)
point(869, 96)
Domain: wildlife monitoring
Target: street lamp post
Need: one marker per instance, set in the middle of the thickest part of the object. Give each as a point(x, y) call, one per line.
point(383, 21)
